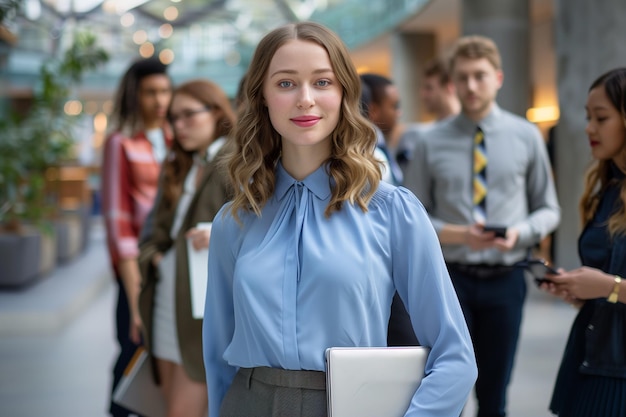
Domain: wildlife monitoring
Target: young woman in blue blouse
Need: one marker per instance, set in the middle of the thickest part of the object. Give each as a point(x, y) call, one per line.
point(313, 245)
point(592, 378)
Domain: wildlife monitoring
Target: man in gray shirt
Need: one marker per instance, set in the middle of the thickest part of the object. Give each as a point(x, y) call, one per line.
point(520, 196)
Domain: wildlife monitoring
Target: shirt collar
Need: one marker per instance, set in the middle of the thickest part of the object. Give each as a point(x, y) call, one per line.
point(487, 123)
point(214, 148)
point(318, 182)
point(616, 172)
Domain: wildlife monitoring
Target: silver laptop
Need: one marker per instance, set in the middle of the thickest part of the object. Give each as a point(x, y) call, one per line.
point(373, 381)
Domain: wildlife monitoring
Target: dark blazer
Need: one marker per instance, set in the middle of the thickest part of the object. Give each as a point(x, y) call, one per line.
point(211, 194)
point(605, 347)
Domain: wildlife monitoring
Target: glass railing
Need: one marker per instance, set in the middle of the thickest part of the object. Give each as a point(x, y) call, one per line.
point(358, 22)
point(217, 45)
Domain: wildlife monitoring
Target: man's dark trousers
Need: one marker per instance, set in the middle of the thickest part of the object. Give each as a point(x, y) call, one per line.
point(492, 305)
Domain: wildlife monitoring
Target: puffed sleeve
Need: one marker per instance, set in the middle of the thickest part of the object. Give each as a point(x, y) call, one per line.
point(219, 320)
point(421, 278)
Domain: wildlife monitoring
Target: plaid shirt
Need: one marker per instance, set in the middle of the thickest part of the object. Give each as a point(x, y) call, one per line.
point(130, 175)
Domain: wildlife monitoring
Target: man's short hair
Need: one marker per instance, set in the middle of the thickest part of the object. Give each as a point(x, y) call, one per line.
point(475, 47)
point(437, 67)
point(377, 84)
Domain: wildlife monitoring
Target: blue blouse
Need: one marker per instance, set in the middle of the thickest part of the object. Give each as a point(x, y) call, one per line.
point(290, 283)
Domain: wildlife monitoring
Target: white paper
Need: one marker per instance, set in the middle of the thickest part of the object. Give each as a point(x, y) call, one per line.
point(198, 271)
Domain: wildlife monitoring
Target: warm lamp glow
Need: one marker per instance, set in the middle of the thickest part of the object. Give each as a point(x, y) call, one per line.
point(166, 30)
point(543, 114)
point(140, 37)
point(166, 56)
point(73, 108)
point(146, 50)
point(100, 122)
point(171, 13)
point(127, 20)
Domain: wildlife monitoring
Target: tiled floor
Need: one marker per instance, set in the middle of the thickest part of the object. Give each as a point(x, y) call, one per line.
point(57, 344)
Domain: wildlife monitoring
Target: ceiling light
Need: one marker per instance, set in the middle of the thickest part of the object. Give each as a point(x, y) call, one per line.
point(146, 50)
point(165, 30)
point(127, 20)
point(166, 56)
point(32, 9)
point(171, 13)
point(140, 37)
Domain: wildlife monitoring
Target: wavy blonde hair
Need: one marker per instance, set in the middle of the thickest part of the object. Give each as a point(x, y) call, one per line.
point(599, 176)
point(257, 145)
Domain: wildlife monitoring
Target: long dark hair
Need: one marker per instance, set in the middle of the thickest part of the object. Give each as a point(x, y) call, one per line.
point(599, 175)
point(126, 115)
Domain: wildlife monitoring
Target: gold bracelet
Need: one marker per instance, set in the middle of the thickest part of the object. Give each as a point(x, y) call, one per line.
point(615, 294)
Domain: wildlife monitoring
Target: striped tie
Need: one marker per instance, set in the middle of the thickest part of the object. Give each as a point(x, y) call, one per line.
point(480, 177)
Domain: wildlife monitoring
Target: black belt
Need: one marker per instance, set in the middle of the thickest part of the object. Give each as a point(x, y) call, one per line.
point(315, 380)
point(481, 271)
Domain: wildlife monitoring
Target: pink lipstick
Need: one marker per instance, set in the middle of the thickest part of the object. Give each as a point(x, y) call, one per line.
point(305, 121)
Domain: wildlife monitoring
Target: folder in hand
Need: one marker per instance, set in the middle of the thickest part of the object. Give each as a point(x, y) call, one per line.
point(137, 390)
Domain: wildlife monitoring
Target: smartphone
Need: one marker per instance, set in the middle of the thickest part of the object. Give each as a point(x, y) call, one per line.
point(500, 231)
point(538, 268)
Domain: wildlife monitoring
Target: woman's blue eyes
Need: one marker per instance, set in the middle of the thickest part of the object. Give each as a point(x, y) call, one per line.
point(320, 83)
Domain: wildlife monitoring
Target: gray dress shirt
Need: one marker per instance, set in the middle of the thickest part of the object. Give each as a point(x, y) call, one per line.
point(521, 192)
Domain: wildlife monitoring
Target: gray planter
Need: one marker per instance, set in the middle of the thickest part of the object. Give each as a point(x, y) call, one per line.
point(69, 237)
point(19, 257)
point(26, 257)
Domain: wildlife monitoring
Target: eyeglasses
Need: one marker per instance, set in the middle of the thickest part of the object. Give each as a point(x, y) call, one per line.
point(186, 115)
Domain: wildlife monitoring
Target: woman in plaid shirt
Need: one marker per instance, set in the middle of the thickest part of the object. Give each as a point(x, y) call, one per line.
point(133, 153)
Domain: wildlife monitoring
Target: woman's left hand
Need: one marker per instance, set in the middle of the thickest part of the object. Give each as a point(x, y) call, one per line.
point(583, 283)
point(199, 237)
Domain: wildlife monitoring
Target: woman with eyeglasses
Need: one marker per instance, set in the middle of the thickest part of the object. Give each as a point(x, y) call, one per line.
point(193, 189)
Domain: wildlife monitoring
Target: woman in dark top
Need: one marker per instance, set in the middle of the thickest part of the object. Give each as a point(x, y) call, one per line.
point(592, 378)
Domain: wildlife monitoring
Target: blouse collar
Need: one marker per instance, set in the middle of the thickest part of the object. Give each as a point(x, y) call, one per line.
point(210, 153)
point(317, 182)
point(616, 173)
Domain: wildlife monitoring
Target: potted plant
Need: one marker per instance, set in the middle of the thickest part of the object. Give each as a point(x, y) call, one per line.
point(31, 146)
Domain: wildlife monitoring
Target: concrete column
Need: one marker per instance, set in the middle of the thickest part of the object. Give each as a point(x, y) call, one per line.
point(589, 41)
point(410, 51)
point(507, 23)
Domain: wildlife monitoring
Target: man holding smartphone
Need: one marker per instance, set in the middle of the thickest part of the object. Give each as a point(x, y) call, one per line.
point(485, 179)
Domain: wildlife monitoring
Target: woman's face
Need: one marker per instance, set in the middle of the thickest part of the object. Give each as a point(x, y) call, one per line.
point(154, 94)
point(605, 127)
point(303, 96)
point(193, 122)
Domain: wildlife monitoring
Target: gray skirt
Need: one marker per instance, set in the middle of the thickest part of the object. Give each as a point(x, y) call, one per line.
point(272, 392)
